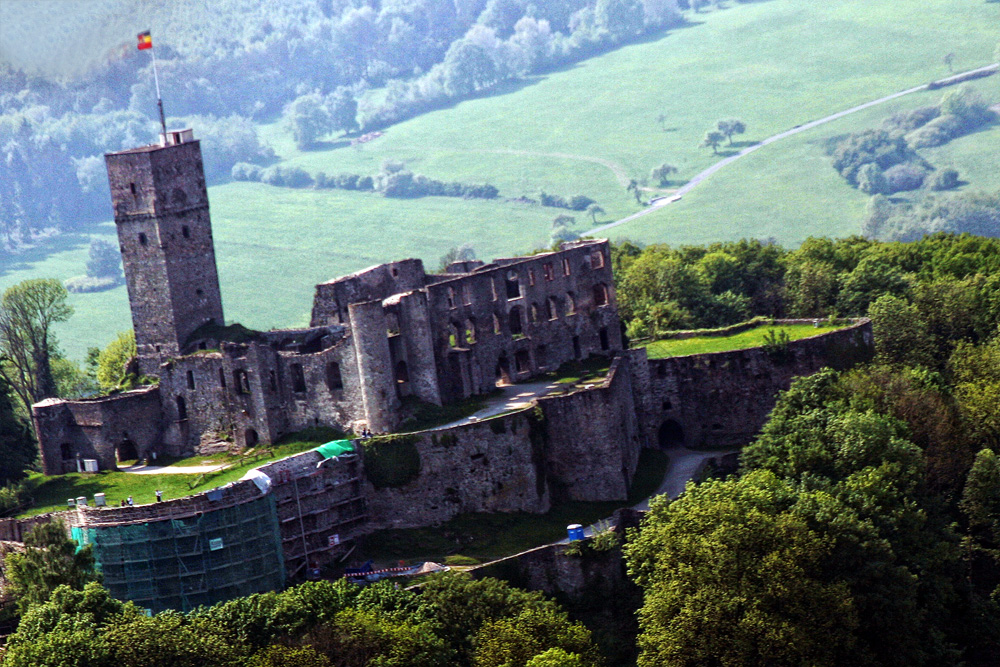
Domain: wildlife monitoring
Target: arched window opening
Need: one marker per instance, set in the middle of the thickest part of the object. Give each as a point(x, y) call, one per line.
point(451, 297)
point(534, 313)
point(298, 378)
point(548, 271)
point(66, 451)
point(503, 371)
point(402, 373)
point(190, 379)
point(470, 332)
point(182, 411)
point(333, 380)
point(466, 295)
point(186, 231)
point(456, 336)
point(250, 438)
point(126, 451)
point(241, 381)
point(553, 308)
point(597, 259)
point(565, 264)
point(605, 344)
point(600, 295)
point(531, 277)
point(515, 323)
point(522, 359)
point(142, 239)
point(570, 304)
point(222, 378)
point(496, 324)
point(513, 286)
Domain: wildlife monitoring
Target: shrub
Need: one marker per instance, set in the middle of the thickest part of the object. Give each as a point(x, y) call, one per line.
point(904, 177)
point(935, 133)
point(83, 284)
point(872, 180)
point(391, 460)
point(944, 179)
point(244, 171)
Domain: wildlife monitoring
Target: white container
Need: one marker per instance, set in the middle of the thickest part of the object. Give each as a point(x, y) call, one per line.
point(100, 500)
point(90, 465)
point(81, 501)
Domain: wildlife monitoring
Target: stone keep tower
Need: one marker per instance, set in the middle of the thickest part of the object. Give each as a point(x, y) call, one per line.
point(161, 213)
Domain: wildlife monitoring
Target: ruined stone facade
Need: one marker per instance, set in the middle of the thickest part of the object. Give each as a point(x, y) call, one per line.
point(377, 337)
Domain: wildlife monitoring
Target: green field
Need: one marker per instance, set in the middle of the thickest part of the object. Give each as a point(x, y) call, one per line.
point(587, 129)
point(679, 347)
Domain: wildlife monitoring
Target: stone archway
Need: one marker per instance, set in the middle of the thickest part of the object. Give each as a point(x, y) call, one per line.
point(126, 450)
point(670, 435)
point(503, 371)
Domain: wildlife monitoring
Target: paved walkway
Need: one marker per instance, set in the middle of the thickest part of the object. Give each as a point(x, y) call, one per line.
point(513, 397)
point(682, 467)
point(140, 469)
point(690, 185)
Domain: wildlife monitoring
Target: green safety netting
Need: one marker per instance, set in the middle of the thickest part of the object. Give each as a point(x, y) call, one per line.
point(335, 448)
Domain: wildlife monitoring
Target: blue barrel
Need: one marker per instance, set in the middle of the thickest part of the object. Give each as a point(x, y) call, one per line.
point(575, 532)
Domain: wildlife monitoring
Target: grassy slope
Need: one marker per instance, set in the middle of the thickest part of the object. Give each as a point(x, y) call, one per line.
point(746, 339)
point(774, 64)
point(789, 190)
point(50, 493)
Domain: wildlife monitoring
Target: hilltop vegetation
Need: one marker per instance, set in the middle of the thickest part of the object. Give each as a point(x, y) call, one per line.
point(314, 61)
point(562, 131)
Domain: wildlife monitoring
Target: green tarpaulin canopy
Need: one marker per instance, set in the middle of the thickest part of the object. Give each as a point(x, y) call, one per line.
point(335, 448)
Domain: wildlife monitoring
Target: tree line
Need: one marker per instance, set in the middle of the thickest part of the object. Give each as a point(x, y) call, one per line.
point(314, 64)
point(68, 618)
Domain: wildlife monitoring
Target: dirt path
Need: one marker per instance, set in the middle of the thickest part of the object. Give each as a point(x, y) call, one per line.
point(690, 185)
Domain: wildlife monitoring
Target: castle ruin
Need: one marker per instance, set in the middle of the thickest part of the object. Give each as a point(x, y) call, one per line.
point(375, 337)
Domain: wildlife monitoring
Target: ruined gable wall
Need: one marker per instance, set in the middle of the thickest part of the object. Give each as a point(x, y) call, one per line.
point(723, 399)
point(271, 403)
point(332, 298)
point(93, 428)
point(594, 438)
point(560, 312)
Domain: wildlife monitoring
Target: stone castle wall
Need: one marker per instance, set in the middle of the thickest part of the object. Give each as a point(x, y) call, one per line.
point(594, 437)
point(126, 424)
point(521, 317)
point(579, 446)
point(722, 399)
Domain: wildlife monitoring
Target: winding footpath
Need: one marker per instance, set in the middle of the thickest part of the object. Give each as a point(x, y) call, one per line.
point(690, 185)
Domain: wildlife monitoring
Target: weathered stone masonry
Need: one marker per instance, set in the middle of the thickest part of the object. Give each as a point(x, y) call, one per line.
point(377, 336)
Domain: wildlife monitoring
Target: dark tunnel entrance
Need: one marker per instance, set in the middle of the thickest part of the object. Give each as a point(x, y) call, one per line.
point(671, 435)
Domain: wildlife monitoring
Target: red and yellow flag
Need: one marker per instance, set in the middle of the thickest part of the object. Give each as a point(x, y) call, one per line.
point(145, 41)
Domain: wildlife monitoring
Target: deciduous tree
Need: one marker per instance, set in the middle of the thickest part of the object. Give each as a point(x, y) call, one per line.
point(50, 559)
point(712, 140)
point(731, 126)
point(27, 312)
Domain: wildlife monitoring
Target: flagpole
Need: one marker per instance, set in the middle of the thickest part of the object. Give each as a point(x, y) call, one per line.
point(159, 100)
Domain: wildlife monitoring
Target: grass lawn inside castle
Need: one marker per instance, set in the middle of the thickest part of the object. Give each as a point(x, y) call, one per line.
point(51, 492)
point(677, 347)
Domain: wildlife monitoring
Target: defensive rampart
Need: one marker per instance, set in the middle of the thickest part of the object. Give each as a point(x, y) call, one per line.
point(722, 399)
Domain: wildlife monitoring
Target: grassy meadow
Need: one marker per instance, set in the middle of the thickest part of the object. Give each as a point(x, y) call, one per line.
point(679, 347)
point(587, 129)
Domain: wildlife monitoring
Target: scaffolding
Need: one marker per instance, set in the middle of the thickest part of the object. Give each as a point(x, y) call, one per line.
point(200, 559)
